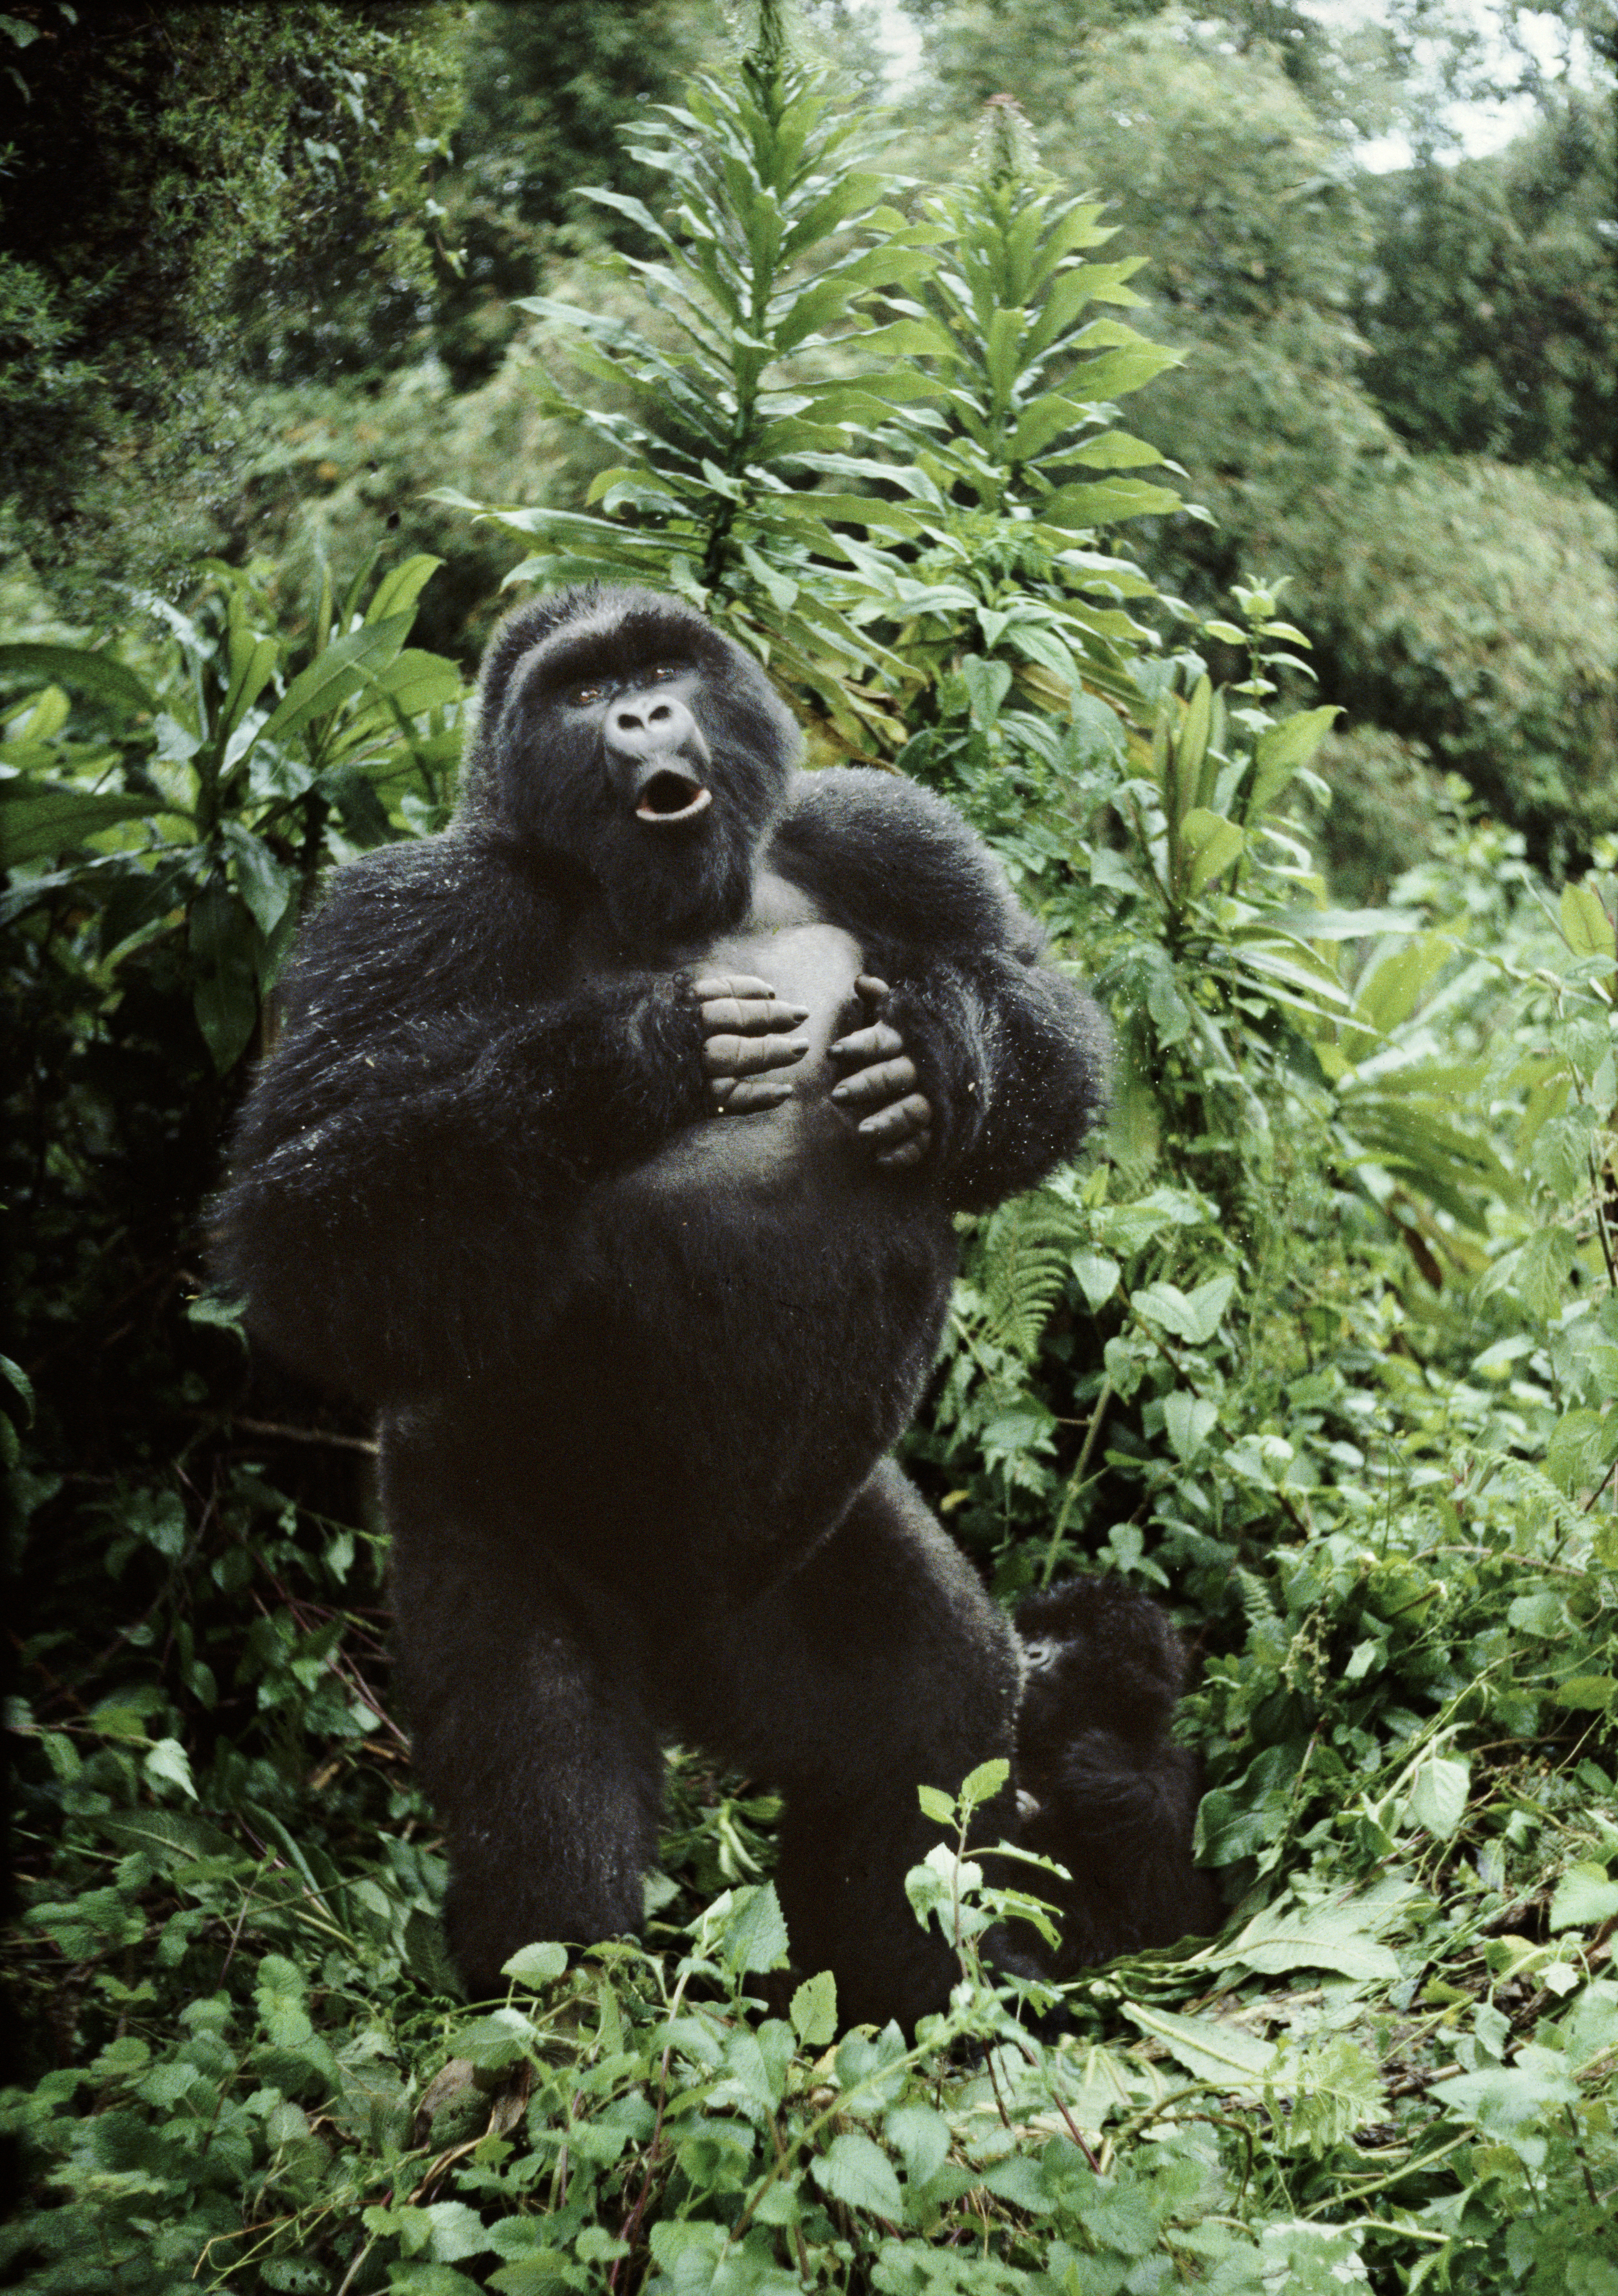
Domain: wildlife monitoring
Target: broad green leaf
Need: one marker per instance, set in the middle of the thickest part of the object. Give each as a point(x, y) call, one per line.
point(278, 1987)
point(536, 1964)
point(936, 1804)
point(398, 592)
point(858, 2172)
point(1048, 418)
point(1509, 2101)
point(49, 713)
point(1172, 1015)
point(982, 1784)
point(922, 2137)
point(1581, 1450)
point(1098, 1277)
point(79, 668)
point(495, 2042)
point(1589, 1693)
point(1438, 1796)
point(1104, 500)
point(40, 819)
point(1584, 1899)
point(1115, 373)
point(327, 683)
point(1208, 2049)
point(169, 1761)
point(1281, 749)
point(905, 339)
point(223, 974)
point(407, 688)
point(1189, 1420)
point(1115, 450)
point(1343, 924)
point(1333, 1936)
point(1193, 1316)
point(753, 1937)
point(256, 668)
point(1210, 844)
point(1072, 228)
point(1022, 2182)
point(1563, 1153)
point(457, 2231)
point(814, 2010)
point(1184, 744)
point(1585, 923)
point(1540, 1274)
point(1395, 985)
point(857, 509)
point(988, 684)
point(266, 884)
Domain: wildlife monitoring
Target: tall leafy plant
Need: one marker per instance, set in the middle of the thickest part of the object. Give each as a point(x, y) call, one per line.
point(829, 487)
point(774, 237)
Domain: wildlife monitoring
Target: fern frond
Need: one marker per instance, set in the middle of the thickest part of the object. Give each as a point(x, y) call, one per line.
point(1025, 1252)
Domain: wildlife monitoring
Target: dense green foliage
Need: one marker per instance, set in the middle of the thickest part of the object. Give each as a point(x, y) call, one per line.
point(192, 196)
point(1321, 1343)
point(1328, 323)
point(545, 90)
point(1492, 309)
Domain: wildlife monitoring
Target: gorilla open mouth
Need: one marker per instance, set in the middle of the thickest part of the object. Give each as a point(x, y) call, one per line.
point(668, 796)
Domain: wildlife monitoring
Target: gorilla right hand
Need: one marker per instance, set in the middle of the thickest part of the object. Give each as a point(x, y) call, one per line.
point(740, 1015)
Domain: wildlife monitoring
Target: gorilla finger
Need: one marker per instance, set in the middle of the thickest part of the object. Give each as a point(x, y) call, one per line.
point(871, 1087)
point(898, 1159)
point(871, 988)
point(736, 1056)
point(898, 1122)
point(750, 1019)
point(741, 1095)
point(877, 1043)
point(731, 984)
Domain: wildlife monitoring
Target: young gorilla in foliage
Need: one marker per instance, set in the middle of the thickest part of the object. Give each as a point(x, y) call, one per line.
point(1101, 1787)
point(611, 1147)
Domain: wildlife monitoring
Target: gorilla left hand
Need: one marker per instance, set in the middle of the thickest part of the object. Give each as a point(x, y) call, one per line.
point(884, 1081)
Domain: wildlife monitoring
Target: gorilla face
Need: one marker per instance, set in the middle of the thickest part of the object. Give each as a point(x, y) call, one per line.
point(623, 736)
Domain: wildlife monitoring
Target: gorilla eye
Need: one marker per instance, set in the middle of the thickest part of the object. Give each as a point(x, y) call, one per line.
point(662, 669)
point(580, 696)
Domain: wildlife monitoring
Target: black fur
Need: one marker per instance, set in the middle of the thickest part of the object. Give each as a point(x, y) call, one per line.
point(1103, 1790)
point(638, 1365)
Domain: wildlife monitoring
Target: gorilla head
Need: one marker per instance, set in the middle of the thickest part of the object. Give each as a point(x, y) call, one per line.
point(621, 734)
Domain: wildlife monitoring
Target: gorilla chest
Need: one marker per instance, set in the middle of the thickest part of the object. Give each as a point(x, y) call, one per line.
point(806, 961)
point(809, 962)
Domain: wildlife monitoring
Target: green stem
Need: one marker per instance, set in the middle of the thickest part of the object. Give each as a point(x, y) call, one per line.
point(1076, 1480)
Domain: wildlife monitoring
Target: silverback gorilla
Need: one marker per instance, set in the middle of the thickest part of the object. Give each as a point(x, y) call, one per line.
point(610, 1147)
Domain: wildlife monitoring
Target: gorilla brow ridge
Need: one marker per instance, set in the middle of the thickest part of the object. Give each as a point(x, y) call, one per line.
point(571, 657)
point(614, 638)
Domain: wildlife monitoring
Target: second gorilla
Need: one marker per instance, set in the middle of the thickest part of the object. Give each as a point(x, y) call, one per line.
point(610, 1147)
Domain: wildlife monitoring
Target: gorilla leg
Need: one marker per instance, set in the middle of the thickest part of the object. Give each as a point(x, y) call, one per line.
point(534, 1748)
point(879, 1666)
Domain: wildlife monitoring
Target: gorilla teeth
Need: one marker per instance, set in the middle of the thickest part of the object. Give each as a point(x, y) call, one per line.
point(669, 796)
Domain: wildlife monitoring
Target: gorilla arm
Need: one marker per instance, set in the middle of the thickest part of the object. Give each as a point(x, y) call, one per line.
point(437, 1103)
point(982, 1063)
